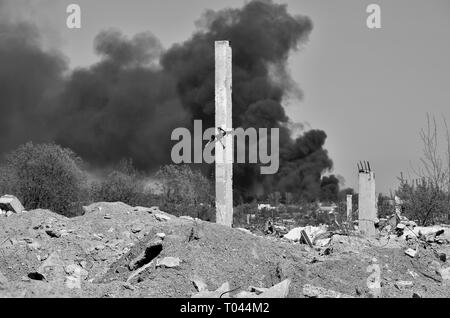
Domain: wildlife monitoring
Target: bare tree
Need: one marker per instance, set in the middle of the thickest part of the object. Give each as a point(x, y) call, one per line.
point(433, 167)
point(427, 196)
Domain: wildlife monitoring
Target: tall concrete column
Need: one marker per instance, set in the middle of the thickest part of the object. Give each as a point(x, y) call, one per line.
point(349, 207)
point(224, 155)
point(367, 202)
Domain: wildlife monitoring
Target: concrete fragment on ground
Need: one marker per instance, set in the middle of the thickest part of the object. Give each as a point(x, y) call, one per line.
point(185, 217)
point(11, 203)
point(161, 235)
point(161, 217)
point(139, 271)
point(404, 284)
point(169, 262)
point(411, 252)
point(311, 291)
point(221, 292)
point(312, 231)
point(322, 242)
point(53, 268)
point(445, 273)
point(280, 290)
point(199, 284)
point(76, 275)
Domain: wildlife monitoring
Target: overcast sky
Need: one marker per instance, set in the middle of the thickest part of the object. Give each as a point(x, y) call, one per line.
point(369, 90)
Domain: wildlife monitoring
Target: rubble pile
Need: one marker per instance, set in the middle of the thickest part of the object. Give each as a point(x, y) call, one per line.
point(116, 250)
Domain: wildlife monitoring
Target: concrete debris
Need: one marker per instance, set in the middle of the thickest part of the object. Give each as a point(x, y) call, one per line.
point(244, 230)
point(76, 275)
point(257, 290)
point(53, 233)
point(310, 291)
point(404, 284)
point(161, 235)
point(306, 239)
point(10, 203)
point(280, 290)
point(162, 217)
point(52, 268)
point(413, 274)
point(185, 217)
point(136, 228)
point(221, 292)
point(199, 284)
point(140, 270)
point(322, 242)
point(411, 252)
point(445, 273)
point(312, 231)
point(169, 262)
point(400, 226)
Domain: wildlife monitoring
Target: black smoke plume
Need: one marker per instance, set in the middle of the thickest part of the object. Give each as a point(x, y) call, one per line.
point(127, 104)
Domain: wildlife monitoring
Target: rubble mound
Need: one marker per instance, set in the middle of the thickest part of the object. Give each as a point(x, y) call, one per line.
point(116, 250)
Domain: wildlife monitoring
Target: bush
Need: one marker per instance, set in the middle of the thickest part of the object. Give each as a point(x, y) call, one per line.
point(182, 185)
point(424, 201)
point(122, 184)
point(45, 176)
point(186, 192)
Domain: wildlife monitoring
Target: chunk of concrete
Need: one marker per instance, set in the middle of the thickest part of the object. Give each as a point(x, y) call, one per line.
point(312, 231)
point(319, 292)
point(161, 217)
point(280, 290)
point(11, 203)
point(404, 284)
point(411, 252)
point(169, 262)
point(445, 273)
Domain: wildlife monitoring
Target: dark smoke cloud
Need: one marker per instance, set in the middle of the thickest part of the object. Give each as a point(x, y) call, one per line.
point(30, 78)
point(128, 103)
point(124, 106)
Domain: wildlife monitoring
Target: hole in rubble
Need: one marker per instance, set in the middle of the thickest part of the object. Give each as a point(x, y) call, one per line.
point(36, 276)
point(151, 253)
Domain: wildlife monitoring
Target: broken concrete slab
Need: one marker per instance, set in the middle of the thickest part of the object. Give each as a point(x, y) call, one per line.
point(53, 268)
point(404, 284)
point(162, 217)
point(199, 284)
point(161, 235)
point(168, 262)
point(319, 292)
point(411, 252)
point(11, 203)
point(140, 270)
point(280, 290)
point(76, 275)
point(312, 231)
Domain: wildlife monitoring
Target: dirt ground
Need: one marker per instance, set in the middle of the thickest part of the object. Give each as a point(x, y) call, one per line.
point(114, 249)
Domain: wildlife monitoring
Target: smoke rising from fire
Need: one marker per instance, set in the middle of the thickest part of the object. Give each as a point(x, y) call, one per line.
point(128, 103)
